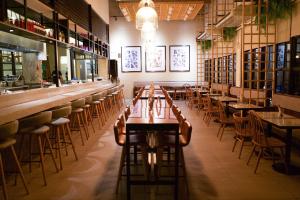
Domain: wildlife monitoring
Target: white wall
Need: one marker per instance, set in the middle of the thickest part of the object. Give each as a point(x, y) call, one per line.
point(101, 7)
point(123, 33)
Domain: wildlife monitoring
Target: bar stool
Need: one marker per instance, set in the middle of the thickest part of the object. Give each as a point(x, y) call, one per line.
point(97, 111)
point(88, 111)
point(78, 119)
point(115, 103)
point(61, 127)
point(35, 126)
point(7, 140)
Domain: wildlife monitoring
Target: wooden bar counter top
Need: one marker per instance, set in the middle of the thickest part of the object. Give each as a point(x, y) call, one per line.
point(18, 105)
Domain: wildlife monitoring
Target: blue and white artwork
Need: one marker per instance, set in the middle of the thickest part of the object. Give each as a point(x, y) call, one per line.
point(180, 58)
point(131, 59)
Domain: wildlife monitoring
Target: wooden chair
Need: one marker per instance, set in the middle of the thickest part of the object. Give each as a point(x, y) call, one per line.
point(7, 141)
point(97, 109)
point(88, 111)
point(168, 140)
point(224, 120)
point(120, 138)
point(61, 129)
point(209, 110)
point(78, 118)
point(37, 126)
point(242, 131)
point(127, 112)
point(199, 100)
point(263, 142)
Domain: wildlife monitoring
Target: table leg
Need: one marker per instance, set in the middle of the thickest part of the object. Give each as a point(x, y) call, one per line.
point(288, 142)
point(227, 108)
point(128, 164)
point(176, 165)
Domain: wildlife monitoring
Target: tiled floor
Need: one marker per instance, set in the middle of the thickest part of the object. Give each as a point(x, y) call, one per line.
point(214, 172)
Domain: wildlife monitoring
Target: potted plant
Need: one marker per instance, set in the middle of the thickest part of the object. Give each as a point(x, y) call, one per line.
point(229, 33)
point(205, 45)
point(277, 9)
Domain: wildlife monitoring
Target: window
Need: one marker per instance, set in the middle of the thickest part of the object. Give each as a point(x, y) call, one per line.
point(231, 69)
point(207, 70)
point(282, 68)
point(10, 65)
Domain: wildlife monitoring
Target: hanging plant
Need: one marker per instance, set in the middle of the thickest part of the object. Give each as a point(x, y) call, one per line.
point(277, 9)
point(229, 33)
point(205, 45)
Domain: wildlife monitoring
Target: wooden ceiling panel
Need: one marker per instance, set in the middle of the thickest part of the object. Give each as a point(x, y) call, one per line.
point(175, 10)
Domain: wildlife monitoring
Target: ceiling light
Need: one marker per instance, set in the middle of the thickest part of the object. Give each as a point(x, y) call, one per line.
point(146, 13)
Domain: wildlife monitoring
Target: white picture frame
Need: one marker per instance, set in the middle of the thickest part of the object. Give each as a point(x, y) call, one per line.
point(155, 60)
point(131, 59)
point(179, 58)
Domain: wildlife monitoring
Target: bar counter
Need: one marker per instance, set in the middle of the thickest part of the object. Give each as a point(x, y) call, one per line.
point(19, 105)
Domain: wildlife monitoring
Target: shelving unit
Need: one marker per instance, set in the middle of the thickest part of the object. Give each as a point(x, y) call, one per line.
point(33, 24)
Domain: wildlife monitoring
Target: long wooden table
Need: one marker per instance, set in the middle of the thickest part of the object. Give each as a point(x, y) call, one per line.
point(159, 119)
point(30, 102)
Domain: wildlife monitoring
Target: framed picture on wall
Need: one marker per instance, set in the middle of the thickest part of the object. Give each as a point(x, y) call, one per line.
point(156, 59)
point(179, 58)
point(131, 59)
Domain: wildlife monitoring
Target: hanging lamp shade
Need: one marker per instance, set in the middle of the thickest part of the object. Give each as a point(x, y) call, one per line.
point(146, 13)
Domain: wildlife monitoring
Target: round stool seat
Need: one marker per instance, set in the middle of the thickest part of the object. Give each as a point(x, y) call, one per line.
point(77, 110)
point(95, 102)
point(6, 143)
point(86, 106)
point(101, 99)
point(109, 95)
point(60, 121)
point(40, 130)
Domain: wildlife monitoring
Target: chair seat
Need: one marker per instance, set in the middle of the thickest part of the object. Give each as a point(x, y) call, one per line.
point(87, 106)
point(134, 139)
point(271, 142)
point(165, 139)
point(60, 121)
point(6, 143)
point(95, 102)
point(40, 130)
point(77, 110)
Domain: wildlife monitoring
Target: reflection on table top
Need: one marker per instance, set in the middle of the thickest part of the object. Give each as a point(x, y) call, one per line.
point(225, 99)
point(284, 122)
point(273, 115)
point(157, 93)
point(156, 87)
point(141, 110)
point(244, 106)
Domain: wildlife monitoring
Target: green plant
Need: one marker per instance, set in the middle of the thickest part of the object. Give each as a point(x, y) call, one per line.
point(229, 33)
point(277, 9)
point(205, 45)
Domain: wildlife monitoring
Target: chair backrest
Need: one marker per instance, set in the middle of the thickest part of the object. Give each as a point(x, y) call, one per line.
point(122, 120)
point(88, 99)
point(206, 101)
point(186, 132)
point(127, 112)
point(8, 130)
point(96, 97)
point(221, 110)
point(61, 112)
point(181, 119)
point(79, 103)
point(257, 128)
point(117, 131)
point(241, 124)
point(36, 120)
